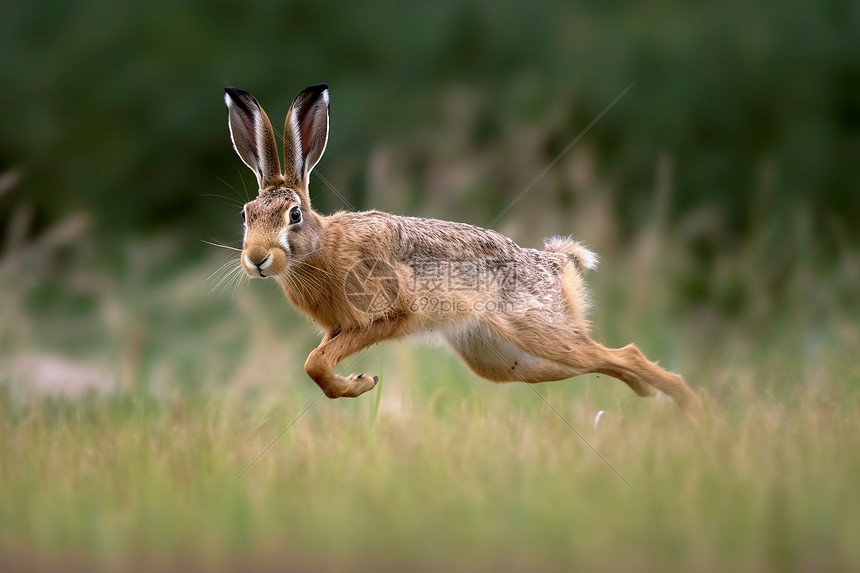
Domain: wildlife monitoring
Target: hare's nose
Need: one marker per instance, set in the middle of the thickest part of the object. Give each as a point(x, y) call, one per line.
point(266, 262)
point(260, 262)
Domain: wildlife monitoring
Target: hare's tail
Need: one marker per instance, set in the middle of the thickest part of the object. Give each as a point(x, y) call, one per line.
point(575, 251)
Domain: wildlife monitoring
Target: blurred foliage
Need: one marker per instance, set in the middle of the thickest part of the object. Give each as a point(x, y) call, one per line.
point(116, 107)
point(113, 111)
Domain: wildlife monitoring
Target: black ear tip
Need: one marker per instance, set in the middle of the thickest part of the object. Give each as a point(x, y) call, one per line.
point(240, 98)
point(316, 90)
point(234, 93)
point(238, 95)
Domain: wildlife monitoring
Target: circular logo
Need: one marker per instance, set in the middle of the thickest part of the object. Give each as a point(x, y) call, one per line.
point(371, 286)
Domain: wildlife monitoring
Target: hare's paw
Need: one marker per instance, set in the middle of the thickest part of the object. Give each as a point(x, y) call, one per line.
point(359, 384)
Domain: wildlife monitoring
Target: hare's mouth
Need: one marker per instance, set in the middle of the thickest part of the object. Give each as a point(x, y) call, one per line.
point(261, 266)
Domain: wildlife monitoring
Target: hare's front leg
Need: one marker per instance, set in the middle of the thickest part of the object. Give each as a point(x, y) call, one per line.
point(334, 348)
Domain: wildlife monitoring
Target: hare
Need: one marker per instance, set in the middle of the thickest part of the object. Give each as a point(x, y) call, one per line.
point(510, 313)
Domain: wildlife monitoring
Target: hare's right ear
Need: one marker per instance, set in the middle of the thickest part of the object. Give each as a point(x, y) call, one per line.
point(305, 134)
point(253, 136)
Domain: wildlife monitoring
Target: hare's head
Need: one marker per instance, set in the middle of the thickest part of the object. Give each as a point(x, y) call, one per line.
point(280, 226)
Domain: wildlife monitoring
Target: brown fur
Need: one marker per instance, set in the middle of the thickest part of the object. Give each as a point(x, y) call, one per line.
point(511, 313)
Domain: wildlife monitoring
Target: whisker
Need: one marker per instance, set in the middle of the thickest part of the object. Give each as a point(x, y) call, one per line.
point(297, 286)
point(233, 283)
point(306, 255)
point(220, 245)
point(289, 282)
point(309, 280)
point(304, 261)
point(244, 188)
point(220, 269)
point(232, 287)
point(229, 200)
point(231, 273)
point(243, 278)
point(305, 287)
point(316, 282)
point(315, 268)
point(236, 191)
point(229, 285)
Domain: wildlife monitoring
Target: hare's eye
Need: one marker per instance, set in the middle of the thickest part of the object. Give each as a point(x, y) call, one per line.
point(295, 215)
point(243, 215)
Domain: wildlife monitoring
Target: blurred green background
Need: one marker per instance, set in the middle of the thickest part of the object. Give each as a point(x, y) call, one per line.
point(720, 187)
point(113, 111)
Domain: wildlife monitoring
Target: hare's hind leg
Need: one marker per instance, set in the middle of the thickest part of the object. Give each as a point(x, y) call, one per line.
point(629, 365)
point(334, 348)
point(490, 355)
point(571, 347)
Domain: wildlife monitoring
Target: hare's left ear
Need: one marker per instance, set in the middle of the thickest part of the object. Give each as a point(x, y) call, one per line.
point(305, 134)
point(253, 136)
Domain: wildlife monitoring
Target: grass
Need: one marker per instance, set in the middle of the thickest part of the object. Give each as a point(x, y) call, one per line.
point(435, 468)
point(464, 475)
